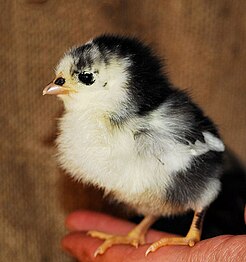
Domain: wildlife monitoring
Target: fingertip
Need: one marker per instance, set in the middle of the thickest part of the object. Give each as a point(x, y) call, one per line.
point(79, 245)
point(67, 244)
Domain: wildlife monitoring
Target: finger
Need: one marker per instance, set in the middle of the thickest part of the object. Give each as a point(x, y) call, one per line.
point(222, 248)
point(83, 247)
point(89, 220)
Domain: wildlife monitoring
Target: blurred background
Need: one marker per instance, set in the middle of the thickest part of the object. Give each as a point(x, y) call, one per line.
point(203, 43)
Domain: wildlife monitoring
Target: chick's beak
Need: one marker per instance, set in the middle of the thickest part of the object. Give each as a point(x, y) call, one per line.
point(57, 87)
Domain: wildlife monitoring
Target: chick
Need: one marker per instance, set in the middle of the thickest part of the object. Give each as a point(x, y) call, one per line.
point(128, 130)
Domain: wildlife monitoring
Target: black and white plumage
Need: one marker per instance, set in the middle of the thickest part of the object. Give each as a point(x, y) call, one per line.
point(128, 130)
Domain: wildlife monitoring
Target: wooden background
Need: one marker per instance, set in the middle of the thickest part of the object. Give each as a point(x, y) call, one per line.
point(204, 45)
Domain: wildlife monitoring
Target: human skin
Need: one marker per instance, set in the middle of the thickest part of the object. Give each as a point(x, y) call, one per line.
point(82, 246)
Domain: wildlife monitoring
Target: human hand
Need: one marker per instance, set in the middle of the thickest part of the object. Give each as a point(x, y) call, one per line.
point(82, 247)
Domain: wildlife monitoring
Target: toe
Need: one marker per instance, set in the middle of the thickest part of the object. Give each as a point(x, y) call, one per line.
point(98, 234)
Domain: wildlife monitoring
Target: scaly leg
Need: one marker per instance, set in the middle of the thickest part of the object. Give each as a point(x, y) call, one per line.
point(193, 236)
point(134, 237)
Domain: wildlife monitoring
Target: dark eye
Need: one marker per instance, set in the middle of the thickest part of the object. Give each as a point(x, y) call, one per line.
point(86, 78)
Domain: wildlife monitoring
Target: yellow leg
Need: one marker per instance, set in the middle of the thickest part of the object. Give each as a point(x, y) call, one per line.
point(134, 237)
point(193, 236)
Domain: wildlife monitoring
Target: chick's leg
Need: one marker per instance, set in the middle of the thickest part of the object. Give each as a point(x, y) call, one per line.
point(192, 237)
point(134, 237)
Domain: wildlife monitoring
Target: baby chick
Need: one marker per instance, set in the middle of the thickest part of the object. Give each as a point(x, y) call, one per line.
point(128, 130)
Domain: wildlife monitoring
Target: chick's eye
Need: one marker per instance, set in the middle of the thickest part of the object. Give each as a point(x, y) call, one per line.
point(86, 78)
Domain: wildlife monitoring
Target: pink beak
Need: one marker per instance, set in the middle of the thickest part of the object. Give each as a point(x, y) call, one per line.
point(53, 89)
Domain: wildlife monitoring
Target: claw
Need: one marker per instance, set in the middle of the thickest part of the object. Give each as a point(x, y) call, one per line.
point(99, 251)
point(150, 249)
point(153, 248)
point(135, 243)
point(192, 243)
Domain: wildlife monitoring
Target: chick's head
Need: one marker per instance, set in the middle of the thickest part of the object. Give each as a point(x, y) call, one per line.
point(107, 72)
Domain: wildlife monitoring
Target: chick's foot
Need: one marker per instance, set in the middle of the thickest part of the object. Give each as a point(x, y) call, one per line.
point(193, 236)
point(135, 237)
point(173, 241)
point(111, 240)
